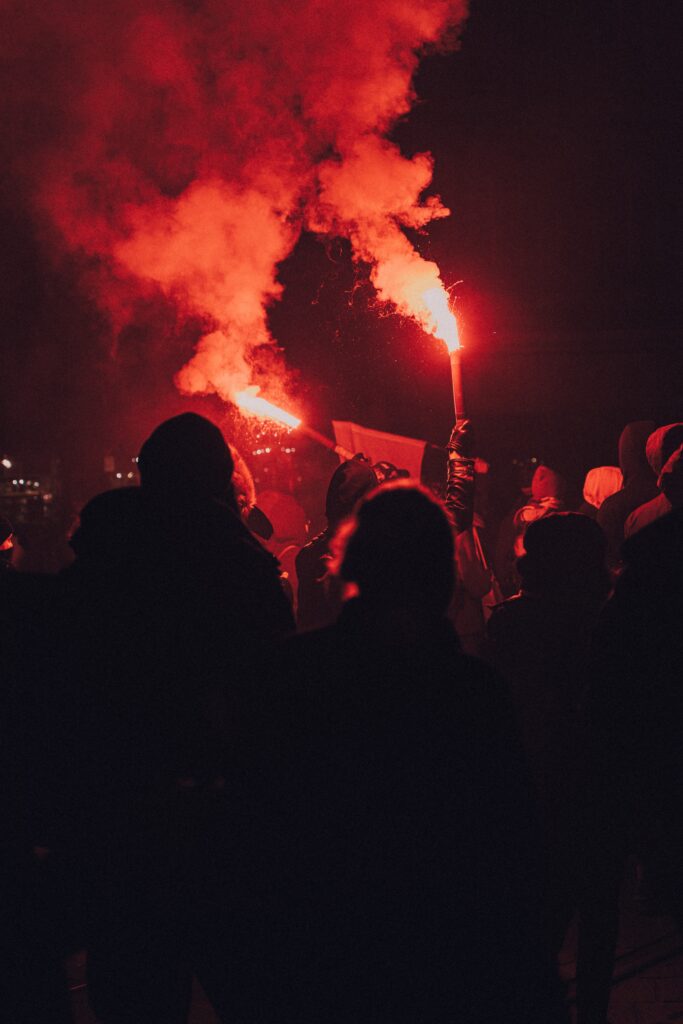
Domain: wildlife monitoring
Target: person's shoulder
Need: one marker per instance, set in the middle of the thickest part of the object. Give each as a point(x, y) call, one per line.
point(612, 512)
point(646, 514)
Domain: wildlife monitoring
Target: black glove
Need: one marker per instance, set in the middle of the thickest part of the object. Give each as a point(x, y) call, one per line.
point(460, 481)
point(460, 443)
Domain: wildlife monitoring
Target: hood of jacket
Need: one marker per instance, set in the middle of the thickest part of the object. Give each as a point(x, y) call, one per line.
point(661, 444)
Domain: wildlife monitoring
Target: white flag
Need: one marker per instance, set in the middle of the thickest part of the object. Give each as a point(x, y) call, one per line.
point(402, 452)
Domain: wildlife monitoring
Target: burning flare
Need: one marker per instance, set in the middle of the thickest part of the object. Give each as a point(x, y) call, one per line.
point(250, 401)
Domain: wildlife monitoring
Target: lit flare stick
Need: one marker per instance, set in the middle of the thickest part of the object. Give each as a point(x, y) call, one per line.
point(445, 327)
point(250, 401)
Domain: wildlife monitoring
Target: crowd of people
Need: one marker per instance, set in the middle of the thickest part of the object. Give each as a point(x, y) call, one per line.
point(373, 789)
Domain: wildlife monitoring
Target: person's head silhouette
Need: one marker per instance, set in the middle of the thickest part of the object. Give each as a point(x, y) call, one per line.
point(398, 549)
point(187, 457)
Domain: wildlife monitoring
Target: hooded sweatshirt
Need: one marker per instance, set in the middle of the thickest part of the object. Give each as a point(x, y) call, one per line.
point(640, 485)
point(600, 483)
point(661, 445)
point(547, 497)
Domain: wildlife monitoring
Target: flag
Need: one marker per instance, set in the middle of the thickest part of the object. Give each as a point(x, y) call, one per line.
point(378, 446)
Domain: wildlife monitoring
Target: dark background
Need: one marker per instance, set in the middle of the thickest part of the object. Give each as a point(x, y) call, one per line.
point(555, 131)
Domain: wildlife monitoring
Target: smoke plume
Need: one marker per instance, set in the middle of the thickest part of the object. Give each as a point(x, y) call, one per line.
point(182, 146)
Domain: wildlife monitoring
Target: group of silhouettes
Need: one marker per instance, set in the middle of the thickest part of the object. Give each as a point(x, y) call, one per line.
point(360, 823)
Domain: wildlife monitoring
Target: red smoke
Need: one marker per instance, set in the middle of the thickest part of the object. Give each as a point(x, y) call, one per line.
point(183, 146)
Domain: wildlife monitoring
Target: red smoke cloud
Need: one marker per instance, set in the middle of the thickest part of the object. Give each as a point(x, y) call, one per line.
point(183, 146)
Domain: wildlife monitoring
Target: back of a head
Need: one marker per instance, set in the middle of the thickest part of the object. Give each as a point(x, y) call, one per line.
point(565, 557)
point(187, 457)
point(546, 483)
point(632, 459)
point(399, 549)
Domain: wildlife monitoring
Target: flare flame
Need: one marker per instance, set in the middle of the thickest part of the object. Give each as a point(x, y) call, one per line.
point(252, 403)
point(445, 326)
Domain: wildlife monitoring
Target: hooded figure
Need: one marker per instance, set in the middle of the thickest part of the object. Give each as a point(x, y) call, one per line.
point(600, 484)
point(661, 445)
point(640, 485)
point(547, 496)
point(319, 598)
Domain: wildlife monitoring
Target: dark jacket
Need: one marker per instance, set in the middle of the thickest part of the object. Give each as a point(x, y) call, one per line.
point(542, 648)
point(164, 615)
point(406, 836)
point(636, 700)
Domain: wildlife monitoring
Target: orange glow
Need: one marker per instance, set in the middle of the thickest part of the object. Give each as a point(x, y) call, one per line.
point(444, 325)
point(251, 402)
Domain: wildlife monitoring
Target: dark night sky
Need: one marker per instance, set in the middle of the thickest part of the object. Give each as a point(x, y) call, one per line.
point(555, 130)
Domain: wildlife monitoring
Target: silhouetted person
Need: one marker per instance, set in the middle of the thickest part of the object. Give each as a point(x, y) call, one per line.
point(635, 715)
point(166, 610)
point(406, 850)
point(639, 486)
point(540, 642)
point(319, 598)
point(661, 445)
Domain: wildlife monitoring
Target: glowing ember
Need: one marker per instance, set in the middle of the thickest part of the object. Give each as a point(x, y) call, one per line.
point(445, 326)
point(250, 401)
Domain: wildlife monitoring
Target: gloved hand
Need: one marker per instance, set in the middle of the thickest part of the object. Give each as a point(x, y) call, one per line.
point(460, 482)
point(460, 443)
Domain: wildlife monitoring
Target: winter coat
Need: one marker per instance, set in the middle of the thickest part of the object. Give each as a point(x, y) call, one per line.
point(405, 835)
point(163, 616)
